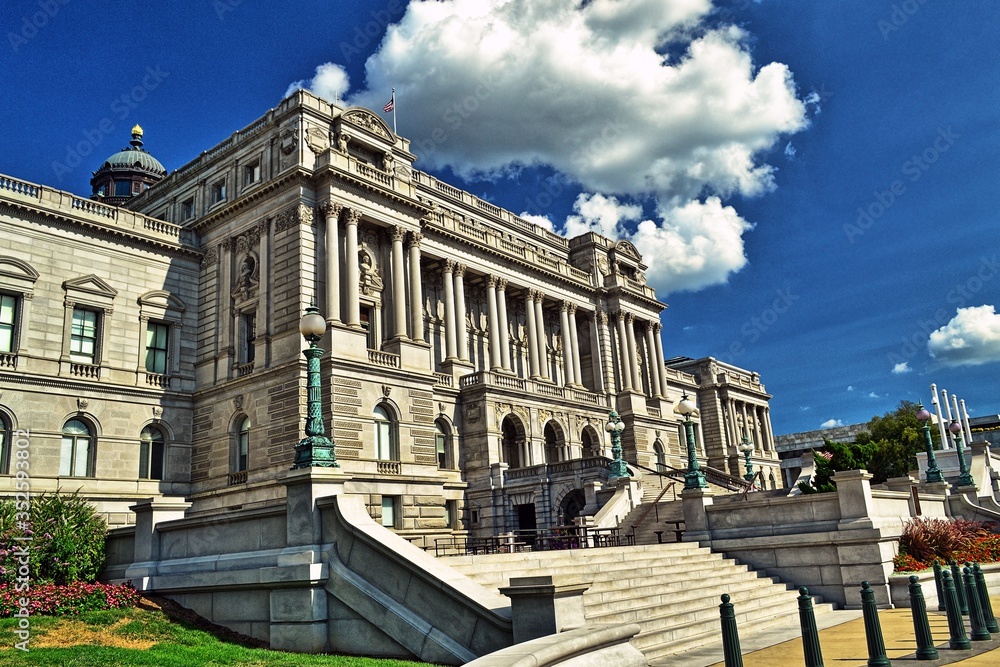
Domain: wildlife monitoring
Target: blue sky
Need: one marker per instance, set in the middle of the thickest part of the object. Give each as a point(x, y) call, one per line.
point(814, 184)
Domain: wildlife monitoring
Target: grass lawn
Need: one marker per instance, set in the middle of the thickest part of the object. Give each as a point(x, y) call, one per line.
point(147, 636)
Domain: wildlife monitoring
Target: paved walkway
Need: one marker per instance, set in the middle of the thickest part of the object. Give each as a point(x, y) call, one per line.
point(843, 644)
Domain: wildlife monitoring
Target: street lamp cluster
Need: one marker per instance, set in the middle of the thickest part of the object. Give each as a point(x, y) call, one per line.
point(694, 478)
point(959, 424)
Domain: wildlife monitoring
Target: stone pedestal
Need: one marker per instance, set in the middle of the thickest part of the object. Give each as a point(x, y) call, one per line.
point(631, 402)
point(149, 513)
point(412, 355)
point(696, 526)
point(348, 342)
point(544, 605)
point(854, 494)
point(304, 487)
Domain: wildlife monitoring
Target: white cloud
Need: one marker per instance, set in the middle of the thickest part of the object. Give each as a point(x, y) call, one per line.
point(971, 338)
point(830, 423)
point(488, 87)
point(872, 394)
point(540, 220)
point(850, 387)
point(330, 82)
point(901, 367)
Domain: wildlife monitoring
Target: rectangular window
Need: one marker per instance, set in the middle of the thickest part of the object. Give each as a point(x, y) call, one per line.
point(389, 511)
point(248, 337)
point(383, 440)
point(151, 459)
point(187, 209)
point(8, 322)
point(83, 337)
point(123, 188)
point(219, 191)
point(157, 335)
point(450, 513)
point(251, 173)
point(440, 442)
point(366, 324)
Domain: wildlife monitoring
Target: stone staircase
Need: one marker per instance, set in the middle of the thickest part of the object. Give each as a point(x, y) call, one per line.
point(671, 590)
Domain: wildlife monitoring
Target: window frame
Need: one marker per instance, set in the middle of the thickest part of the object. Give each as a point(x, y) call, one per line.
point(74, 451)
point(241, 445)
point(76, 356)
point(218, 191)
point(442, 445)
point(386, 433)
point(148, 455)
point(187, 209)
point(11, 327)
point(158, 352)
point(393, 518)
point(6, 442)
point(252, 172)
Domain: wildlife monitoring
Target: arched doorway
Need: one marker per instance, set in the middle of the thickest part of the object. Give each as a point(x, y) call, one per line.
point(512, 442)
point(571, 506)
point(555, 443)
point(591, 442)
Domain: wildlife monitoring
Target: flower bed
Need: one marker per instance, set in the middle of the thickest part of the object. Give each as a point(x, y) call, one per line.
point(926, 540)
point(53, 599)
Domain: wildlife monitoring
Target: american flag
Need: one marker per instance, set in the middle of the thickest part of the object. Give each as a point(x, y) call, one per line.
point(390, 105)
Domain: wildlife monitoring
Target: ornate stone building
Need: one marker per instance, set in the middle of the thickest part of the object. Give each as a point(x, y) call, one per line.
point(473, 357)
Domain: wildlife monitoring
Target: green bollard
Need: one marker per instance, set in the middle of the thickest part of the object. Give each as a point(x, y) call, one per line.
point(730, 635)
point(979, 632)
point(956, 575)
point(810, 635)
point(956, 626)
point(873, 629)
point(937, 584)
point(984, 599)
point(921, 626)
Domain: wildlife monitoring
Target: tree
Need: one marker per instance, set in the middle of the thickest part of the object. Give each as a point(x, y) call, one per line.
point(887, 448)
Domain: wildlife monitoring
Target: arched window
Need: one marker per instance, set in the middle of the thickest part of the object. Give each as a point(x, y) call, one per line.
point(385, 435)
point(6, 442)
point(78, 445)
point(553, 447)
point(512, 439)
point(441, 441)
point(151, 453)
point(661, 456)
point(242, 448)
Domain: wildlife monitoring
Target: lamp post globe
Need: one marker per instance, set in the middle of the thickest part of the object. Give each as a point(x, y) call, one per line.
point(933, 474)
point(314, 450)
point(964, 476)
point(694, 478)
point(615, 426)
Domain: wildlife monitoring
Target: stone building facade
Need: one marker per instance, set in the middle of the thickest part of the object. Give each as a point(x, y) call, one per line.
point(472, 356)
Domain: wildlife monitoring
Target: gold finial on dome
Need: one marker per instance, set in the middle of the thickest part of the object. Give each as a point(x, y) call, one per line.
point(137, 129)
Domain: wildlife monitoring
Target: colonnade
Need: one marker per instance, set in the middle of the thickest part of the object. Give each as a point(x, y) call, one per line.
point(343, 305)
point(752, 420)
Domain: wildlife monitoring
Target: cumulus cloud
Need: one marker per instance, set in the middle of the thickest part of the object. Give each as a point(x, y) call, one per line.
point(830, 423)
point(872, 394)
point(971, 338)
point(330, 82)
point(901, 367)
point(540, 220)
point(850, 387)
point(640, 103)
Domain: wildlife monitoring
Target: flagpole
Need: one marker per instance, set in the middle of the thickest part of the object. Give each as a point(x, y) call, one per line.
point(394, 111)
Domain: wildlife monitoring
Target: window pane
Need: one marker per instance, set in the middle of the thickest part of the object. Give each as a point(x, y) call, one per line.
point(80, 467)
point(382, 434)
point(156, 462)
point(156, 348)
point(123, 188)
point(8, 305)
point(76, 427)
point(6, 338)
point(83, 335)
point(66, 456)
point(388, 511)
point(143, 460)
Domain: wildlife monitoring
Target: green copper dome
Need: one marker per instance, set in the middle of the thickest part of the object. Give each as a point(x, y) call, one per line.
point(134, 157)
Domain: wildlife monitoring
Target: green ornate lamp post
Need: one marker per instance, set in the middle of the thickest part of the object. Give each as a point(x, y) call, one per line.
point(964, 476)
point(314, 450)
point(933, 472)
point(747, 449)
point(615, 426)
point(693, 478)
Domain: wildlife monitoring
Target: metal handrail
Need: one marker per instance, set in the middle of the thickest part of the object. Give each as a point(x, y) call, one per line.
point(714, 475)
point(652, 506)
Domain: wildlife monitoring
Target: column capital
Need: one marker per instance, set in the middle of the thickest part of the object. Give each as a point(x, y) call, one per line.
point(602, 317)
point(331, 209)
point(449, 265)
point(629, 318)
point(460, 269)
point(398, 232)
point(491, 281)
point(353, 216)
point(564, 306)
point(572, 308)
point(650, 326)
point(501, 284)
point(657, 326)
point(415, 239)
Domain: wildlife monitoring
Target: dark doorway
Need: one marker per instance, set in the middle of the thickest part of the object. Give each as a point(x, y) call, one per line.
point(526, 523)
point(571, 506)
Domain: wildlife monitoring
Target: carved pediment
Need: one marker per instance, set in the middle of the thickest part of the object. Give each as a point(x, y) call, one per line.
point(366, 120)
point(18, 269)
point(162, 299)
point(626, 249)
point(91, 285)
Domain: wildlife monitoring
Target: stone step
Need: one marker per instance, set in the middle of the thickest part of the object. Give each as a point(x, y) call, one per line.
point(676, 600)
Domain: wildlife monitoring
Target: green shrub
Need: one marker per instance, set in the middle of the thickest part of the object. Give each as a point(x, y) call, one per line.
point(927, 539)
point(66, 539)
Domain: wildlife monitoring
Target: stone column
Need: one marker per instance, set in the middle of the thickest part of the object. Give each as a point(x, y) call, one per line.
point(600, 334)
point(353, 270)
point(575, 341)
point(398, 284)
point(633, 350)
point(661, 366)
point(624, 362)
point(746, 423)
point(543, 347)
point(416, 290)
point(654, 376)
point(449, 309)
point(568, 377)
point(504, 325)
point(529, 310)
point(332, 212)
point(462, 332)
point(770, 430)
point(493, 323)
point(758, 427)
